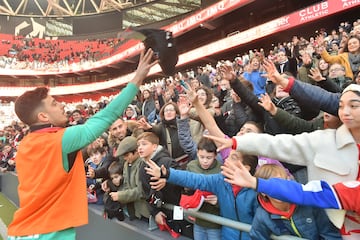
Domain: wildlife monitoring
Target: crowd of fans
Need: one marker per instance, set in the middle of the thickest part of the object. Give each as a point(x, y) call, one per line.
point(51, 55)
point(233, 98)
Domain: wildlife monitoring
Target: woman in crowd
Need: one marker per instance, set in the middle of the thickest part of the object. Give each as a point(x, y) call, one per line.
point(349, 58)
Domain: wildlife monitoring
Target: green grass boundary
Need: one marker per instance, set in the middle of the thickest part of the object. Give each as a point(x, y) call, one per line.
point(7, 209)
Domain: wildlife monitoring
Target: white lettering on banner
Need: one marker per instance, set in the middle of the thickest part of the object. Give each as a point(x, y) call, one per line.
point(215, 9)
point(313, 11)
point(347, 4)
point(315, 15)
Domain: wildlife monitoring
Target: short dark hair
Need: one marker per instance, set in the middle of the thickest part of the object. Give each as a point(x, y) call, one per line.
point(76, 111)
point(92, 150)
point(207, 145)
point(251, 161)
point(26, 105)
point(149, 136)
point(116, 167)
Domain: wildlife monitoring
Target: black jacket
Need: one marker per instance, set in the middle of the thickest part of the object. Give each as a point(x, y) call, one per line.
point(170, 193)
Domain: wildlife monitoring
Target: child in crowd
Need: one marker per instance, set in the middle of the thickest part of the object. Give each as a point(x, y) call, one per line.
point(206, 163)
point(316, 193)
point(235, 203)
point(283, 218)
point(131, 193)
point(149, 148)
point(97, 156)
point(114, 208)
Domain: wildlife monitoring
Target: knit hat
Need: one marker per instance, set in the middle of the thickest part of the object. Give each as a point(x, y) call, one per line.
point(352, 87)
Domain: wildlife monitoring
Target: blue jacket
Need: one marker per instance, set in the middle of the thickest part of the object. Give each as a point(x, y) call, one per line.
point(242, 208)
point(306, 222)
point(258, 81)
point(315, 97)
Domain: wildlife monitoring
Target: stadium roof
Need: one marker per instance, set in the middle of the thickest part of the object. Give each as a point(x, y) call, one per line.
point(64, 8)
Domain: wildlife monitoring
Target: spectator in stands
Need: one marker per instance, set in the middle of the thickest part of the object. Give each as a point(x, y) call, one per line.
point(203, 77)
point(225, 92)
point(308, 62)
point(283, 218)
point(254, 75)
point(295, 125)
point(344, 147)
point(130, 113)
point(8, 154)
point(97, 157)
point(52, 149)
point(206, 163)
point(137, 103)
point(243, 200)
point(154, 116)
point(76, 118)
point(235, 113)
point(149, 148)
point(194, 82)
point(117, 132)
point(349, 58)
point(295, 49)
point(112, 207)
point(286, 64)
point(205, 96)
point(316, 193)
point(167, 132)
point(148, 103)
point(131, 193)
point(323, 66)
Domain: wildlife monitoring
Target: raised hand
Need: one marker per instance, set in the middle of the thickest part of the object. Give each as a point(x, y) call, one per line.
point(143, 124)
point(153, 169)
point(184, 106)
point(267, 104)
point(190, 93)
point(236, 173)
point(144, 66)
point(227, 72)
point(222, 143)
point(273, 74)
point(315, 74)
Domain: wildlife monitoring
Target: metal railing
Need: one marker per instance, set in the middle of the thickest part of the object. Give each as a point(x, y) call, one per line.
point(8, 186)
point(244, 227)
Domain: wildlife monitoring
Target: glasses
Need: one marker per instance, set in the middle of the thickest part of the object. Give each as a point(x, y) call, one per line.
point(336, 69)
point(169, 110)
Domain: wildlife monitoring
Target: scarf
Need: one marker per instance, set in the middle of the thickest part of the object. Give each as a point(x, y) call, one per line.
point(170, 123)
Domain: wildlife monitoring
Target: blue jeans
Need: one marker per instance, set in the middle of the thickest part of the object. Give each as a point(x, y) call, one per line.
point(203, 233)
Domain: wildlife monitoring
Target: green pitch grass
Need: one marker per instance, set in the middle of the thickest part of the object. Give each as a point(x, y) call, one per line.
point(7, 210)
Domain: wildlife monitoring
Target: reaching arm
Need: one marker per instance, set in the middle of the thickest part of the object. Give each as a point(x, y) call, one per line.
point(79, 136)
point(206, 118)
point(315, 193)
